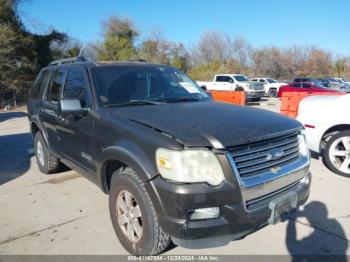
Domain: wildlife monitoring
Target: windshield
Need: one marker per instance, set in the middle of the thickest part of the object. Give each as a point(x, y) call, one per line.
point(241, 78)
point(270, 80)
point(120, 84)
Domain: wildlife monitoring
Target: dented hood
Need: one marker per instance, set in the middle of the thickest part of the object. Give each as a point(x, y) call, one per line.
point(210, 124)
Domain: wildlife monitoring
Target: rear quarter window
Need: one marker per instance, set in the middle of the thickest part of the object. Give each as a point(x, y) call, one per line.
point(40, 84)
point(58, 79)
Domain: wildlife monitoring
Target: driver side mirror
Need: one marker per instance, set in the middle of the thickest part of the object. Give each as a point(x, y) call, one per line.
point(71, 107)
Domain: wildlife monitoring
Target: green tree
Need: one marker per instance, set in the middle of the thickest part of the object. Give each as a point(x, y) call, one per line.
point(22, 53)
point(16, 65)
point(180, 57)
point(119, 39)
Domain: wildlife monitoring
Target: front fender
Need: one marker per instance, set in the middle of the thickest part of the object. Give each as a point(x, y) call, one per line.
point(129, 154)
point(41, 130)
point(137, 159)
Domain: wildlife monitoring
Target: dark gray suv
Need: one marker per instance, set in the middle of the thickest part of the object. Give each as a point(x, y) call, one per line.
point(177, 166)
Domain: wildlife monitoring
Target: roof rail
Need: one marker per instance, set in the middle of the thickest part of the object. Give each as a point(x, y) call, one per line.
point(137, 60)
point(69, 60)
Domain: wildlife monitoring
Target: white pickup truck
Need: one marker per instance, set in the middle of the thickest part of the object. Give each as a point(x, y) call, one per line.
point(271, 86)
point(235, 82)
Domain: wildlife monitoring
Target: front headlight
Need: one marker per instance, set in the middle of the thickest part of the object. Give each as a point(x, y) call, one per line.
point(303, 148)
point(189, 166)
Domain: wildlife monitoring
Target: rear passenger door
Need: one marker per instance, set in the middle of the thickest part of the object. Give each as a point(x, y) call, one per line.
point(76, 132)
point(48, 115)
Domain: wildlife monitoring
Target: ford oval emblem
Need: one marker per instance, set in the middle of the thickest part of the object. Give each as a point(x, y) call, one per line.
point(274, 154)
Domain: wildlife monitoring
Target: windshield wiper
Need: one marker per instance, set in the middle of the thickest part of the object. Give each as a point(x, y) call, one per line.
point(135, 102)
point(179, 99)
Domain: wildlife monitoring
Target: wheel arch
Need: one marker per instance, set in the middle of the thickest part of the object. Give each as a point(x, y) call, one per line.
point(117, 157)
point(36, 127)
point(331, 131)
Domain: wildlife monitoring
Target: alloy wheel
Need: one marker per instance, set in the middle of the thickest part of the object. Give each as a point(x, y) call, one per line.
point(129, 216)
point(40, 153)
point(339, 154)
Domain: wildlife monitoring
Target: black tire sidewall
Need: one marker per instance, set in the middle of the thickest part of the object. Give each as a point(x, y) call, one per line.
point(42, 168)
point(125, 182)
point(326, 156)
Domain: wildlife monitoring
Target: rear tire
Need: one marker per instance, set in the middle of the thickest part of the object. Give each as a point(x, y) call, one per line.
point(47, 162)
point(273, 92)
point(336, 155)
point(137, 216)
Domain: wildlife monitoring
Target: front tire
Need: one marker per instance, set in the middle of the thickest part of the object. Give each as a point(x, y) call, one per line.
point(47, 162)
point(133, 215)
point(336, 154)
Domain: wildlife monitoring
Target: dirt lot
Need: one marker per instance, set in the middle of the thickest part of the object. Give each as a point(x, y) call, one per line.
point(66, 214)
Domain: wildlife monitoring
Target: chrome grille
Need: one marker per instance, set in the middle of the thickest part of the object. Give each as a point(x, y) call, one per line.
point(258, 87)
point(256, 158)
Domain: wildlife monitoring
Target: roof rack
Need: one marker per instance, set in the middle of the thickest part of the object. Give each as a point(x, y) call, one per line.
point(70, 60)
point(121, 61)
point(138, 60)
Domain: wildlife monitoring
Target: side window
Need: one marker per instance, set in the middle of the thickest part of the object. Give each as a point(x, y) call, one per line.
point(35, 92)
point(57, 82)
point(297, 80)
point(219, 79)
point(306, 86)
point(296, 85)
point(76, 86)
point(262, 81)
point(40, 84)
point(254, 80)
point(227, 79)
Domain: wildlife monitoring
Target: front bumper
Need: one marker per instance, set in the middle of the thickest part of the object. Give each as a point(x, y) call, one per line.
point(255, 94)
point(239, 216)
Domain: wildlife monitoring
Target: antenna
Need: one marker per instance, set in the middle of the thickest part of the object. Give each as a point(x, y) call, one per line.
point(81, 50)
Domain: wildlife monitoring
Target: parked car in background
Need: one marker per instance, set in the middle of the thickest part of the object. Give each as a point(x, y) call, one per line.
point(336, 83)
point(342, 80)
point(325, 82)
point(327, 129)
point(271, 86)
point(235, 82)
point(340, 83)
point(307, 80)
point(304, 87)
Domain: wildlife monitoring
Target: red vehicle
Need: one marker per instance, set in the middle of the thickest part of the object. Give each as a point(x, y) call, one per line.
point(303, 87)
